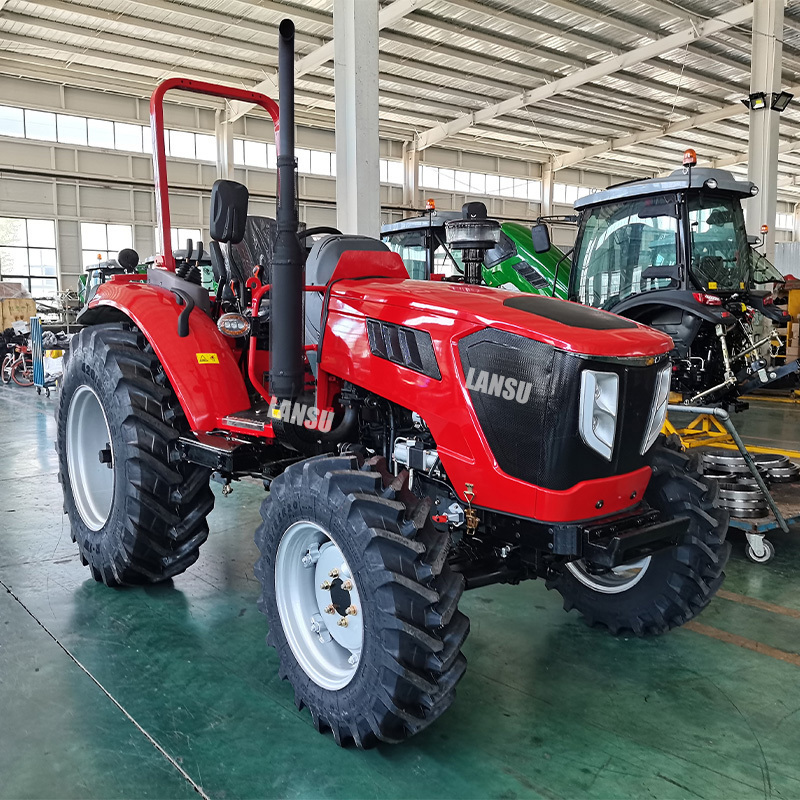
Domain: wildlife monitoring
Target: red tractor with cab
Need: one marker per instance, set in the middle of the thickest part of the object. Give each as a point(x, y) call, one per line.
point(417, 438)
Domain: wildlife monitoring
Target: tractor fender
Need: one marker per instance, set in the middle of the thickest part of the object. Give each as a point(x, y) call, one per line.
point(639, 305)
point(202, 367)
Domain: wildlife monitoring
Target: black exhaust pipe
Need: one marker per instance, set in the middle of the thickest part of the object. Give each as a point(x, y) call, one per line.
point(286, 374)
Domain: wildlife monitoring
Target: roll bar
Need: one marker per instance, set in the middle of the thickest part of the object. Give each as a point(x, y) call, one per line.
point(159, 149)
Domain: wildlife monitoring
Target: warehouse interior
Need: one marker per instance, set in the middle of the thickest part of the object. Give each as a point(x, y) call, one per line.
point(161, 684)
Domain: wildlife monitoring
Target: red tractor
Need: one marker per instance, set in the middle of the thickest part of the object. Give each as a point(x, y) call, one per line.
point(416, 438)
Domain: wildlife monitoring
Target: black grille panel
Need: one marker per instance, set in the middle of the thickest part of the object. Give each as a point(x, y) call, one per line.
point(538, 441)
point(405, 346)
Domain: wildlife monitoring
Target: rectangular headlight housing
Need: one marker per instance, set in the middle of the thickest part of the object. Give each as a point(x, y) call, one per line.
point(597, 422)
point(658, 410)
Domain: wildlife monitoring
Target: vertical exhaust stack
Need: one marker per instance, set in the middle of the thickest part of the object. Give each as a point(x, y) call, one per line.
point(286, 307)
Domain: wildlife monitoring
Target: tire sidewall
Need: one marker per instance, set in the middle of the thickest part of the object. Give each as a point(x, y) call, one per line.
point(87, 368)
point(351, 539)
point(662, 567)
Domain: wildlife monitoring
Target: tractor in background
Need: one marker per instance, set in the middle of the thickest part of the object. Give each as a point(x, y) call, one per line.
point(512, 262)
point(673, 253)
point(416, 437)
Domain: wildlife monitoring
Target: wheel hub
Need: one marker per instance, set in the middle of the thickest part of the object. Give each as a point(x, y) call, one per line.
point(90, 458)
point(319, 605)
point(613, 581)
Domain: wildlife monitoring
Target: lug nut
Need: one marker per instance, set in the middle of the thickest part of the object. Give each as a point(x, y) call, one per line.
point(325, 585)
point(331, 609)
point(334, 573)
point(347, 585)
point(352, 611)
point(342, 623)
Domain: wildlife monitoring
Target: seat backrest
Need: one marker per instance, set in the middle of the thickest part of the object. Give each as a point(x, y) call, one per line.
point(256, 249)
point(321, 263)
point(325, 254)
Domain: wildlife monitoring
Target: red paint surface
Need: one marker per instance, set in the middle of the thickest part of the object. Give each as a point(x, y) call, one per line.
point(207, 392)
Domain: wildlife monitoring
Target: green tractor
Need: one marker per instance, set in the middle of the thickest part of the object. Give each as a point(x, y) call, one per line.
point(513, 263)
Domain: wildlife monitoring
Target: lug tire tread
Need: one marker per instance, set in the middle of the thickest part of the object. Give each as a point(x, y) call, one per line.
point(686, 577)
point(164, 507)
point(415, 654)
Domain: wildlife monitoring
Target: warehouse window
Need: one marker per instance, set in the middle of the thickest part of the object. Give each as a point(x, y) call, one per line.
point(102, 242)
point(71, 130)
point(180, 236)
point(28, 254)
point(475, 183)
point(101, 133)
point(40, 125)
point(12, 122)
point(784, 222)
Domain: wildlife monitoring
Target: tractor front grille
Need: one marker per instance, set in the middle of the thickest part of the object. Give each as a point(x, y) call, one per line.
point(538, 440)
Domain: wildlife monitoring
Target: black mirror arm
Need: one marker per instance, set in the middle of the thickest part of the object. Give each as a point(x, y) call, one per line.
point(555, 271)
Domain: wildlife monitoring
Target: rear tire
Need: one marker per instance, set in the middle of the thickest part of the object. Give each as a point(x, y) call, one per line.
point(408, 640)
point(674, 585)
point(138, 517)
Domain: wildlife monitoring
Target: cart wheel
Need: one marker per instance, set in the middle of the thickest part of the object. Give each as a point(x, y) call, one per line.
point(766, 554)
point(47, 393)
point(38, 390)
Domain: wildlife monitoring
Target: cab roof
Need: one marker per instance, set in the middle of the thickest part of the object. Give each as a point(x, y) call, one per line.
point(675, 182)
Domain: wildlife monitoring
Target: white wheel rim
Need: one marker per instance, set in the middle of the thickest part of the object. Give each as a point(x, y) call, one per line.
point(91, 480)
point(616, 580)
point(312, 613)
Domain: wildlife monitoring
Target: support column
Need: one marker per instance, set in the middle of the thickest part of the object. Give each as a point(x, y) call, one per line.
point(547, 190)
point(223, 131)
point(355, 46)
point(410, 175)
point(765, 77)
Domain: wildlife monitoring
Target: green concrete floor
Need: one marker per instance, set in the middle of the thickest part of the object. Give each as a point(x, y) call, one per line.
point(159, 692)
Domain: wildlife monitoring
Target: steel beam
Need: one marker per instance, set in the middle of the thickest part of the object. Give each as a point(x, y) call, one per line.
point(637, 56)
point(388, 16)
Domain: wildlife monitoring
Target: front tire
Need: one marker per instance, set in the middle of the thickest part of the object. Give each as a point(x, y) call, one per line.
point(338, 546)
point(668, 588)
point(136, 516)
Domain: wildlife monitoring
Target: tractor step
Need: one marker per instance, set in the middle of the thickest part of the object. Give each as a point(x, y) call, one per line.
point(252, 419)
point(222, 453)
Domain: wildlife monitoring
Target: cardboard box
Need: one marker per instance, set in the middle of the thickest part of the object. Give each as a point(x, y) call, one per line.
point(16, 308)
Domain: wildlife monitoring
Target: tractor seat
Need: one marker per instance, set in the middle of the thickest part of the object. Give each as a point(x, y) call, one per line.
point(326, 252)
point(256, 250)
point(321, 263)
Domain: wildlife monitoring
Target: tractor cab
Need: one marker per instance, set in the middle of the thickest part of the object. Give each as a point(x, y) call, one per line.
point(684, 232)
point(673, 252)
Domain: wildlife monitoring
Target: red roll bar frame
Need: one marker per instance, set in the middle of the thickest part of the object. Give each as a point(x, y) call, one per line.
point(160, 151)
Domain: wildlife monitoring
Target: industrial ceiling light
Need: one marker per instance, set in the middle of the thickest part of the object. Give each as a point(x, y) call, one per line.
point(756, 101)
point(780, 101)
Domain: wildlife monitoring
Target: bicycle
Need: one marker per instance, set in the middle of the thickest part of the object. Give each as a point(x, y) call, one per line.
point(18, 367)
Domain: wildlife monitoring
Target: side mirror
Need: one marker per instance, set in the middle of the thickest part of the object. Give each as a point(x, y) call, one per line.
point(229, 201)
point(541, 238)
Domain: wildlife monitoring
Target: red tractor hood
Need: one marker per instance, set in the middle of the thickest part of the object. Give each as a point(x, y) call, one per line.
point(567, 326)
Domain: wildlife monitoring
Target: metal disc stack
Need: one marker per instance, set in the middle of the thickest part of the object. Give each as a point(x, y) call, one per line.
point(778, 468)
point(739, 492)
point(743, 500)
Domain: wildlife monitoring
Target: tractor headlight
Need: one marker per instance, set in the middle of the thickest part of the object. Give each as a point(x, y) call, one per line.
point(598, 412)
point(658, 411)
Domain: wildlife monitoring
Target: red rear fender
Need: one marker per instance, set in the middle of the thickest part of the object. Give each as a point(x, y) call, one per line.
point(202, 367)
